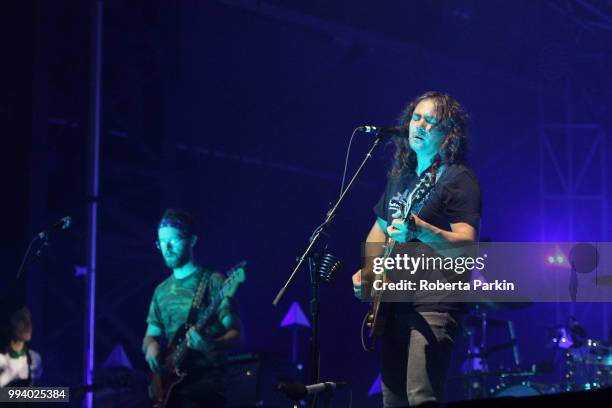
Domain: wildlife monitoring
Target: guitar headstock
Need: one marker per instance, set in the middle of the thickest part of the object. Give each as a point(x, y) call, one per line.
point(425, 185)
point(235, 277)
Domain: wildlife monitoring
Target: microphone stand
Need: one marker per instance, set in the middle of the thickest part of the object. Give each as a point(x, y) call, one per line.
point(26, 261)
point(311, 256)
point(43, 238)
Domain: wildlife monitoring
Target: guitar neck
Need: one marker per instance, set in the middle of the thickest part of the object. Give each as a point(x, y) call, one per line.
point(204, 317)
point(235, 277)
point(217, 298)
point(210, 310)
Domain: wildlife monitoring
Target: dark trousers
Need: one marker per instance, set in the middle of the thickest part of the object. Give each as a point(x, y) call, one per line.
point(416, 354)
point(200, 388)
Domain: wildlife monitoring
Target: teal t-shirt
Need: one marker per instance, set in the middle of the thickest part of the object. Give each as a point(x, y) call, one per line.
point(172, 299)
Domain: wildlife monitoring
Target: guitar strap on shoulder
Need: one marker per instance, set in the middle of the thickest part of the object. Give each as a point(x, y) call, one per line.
point(423, 178)
point(198, 298)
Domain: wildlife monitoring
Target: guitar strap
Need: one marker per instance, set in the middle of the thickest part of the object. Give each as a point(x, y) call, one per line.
point(197, 298)
point(421, 204)
point(439, 174)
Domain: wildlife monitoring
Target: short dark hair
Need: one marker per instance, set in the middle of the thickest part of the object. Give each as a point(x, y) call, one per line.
point(179, 219)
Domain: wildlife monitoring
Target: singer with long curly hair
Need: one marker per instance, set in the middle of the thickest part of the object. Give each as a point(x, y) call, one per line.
point(418, 335)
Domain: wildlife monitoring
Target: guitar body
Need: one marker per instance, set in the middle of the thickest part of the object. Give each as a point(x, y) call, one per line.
point(161, 387)
point(163, 382)
point(377, 316)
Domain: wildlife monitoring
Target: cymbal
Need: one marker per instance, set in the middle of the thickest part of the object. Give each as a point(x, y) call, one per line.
point(605, 280)
point(496, 374)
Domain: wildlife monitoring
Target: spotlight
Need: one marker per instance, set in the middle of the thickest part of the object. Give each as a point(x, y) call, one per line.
point(556, 258)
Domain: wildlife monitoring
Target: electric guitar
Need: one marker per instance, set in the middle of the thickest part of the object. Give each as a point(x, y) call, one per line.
point(376, 316)
point(171, 372)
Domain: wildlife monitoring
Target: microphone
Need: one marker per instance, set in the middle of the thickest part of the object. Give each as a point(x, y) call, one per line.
point(61, 224)
point(298, 392)
point(379, 131)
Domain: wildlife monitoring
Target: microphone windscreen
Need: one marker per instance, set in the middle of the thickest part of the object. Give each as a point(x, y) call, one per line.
point(293, 391)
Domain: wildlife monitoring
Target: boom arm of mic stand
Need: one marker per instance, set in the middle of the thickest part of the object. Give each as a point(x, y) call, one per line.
point(329, 217)
point(26, 261)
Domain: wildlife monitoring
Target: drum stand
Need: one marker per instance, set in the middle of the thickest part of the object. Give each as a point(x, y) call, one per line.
point(477, 360)
point(478, 357)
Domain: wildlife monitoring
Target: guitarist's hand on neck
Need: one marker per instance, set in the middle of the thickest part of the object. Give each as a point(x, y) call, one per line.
point(430, 234)
point(196, 342)
point(231, 339)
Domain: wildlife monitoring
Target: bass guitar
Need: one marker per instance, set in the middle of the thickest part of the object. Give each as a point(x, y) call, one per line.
point(172, 372)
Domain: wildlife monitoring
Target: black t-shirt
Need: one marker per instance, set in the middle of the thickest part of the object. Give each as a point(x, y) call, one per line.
point(455, 198)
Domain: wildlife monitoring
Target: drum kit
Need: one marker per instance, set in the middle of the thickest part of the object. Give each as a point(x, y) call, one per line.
point(586, 363)
point(589, 365)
